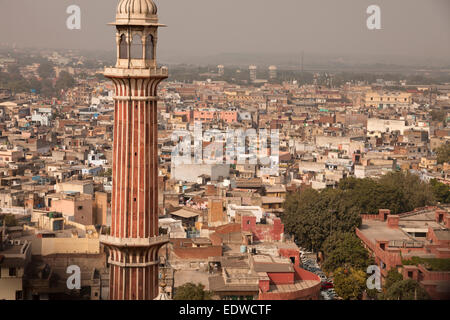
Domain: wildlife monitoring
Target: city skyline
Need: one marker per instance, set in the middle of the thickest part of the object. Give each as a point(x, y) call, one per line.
point(415, 30)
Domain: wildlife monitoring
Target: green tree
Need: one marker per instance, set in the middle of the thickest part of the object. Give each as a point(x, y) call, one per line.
point(8, 220)
point(393, 276)
point(313, 216)
point(65, 81)
point(439, 115)
point(344, 249)
point(190, 291)
point(406, 290)
point(413, 192)
point(349, 283)
point(441, 191)
point(443, 153)
point(46, 70)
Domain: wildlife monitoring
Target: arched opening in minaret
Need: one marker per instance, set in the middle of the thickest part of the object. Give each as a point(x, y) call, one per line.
point(149, 48)
point(123, 50)
point(136, 47)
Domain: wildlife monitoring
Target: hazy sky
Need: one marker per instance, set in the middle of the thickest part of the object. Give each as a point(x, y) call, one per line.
point(419, 28)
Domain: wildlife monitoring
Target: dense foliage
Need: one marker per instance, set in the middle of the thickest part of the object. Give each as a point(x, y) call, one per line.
point(349, 283)
point(8, 220)
point(430, 263)
point(190, 291)
point(441, 191)
point(443, 153)
point(393, 276)
point(406, 290)
point(344, 249)
point(312, 216)
point(45, 86)
point(65, 81)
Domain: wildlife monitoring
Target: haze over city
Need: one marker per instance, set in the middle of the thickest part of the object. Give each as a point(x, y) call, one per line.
point(252, 150)
point(212, 31)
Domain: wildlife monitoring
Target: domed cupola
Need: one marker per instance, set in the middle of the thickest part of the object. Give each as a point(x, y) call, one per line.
point(136, 12)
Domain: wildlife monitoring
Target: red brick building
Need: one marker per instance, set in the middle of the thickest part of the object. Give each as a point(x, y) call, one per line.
point(422, 233)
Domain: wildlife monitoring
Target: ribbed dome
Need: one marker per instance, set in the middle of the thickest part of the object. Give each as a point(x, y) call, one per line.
point(140, 7)
point(137, 13)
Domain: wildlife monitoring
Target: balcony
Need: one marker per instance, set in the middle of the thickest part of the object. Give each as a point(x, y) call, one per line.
point(162, 72)
point(133, 242)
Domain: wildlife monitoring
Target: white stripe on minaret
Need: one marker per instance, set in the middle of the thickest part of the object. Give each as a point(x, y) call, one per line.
point(138, 213)
point(132, 175)
point(127, 174)
point(145, 172)
point(120, 213)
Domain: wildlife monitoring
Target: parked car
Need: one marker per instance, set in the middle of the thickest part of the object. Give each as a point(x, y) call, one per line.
point(327, 285)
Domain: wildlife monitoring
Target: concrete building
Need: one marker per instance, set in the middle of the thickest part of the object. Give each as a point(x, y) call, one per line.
point(273, 72)
point(15, 255)
point(191, 172)
point(253, 73)
point(75, 207)
point(386, 99)
point(80, 186)
point(221, 70)
point(262, 277)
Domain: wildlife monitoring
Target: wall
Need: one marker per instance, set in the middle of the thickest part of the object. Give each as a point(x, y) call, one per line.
point(263, 232)
point(281, 277)
point(198, 253)
point(48, 246)
point(9, 286)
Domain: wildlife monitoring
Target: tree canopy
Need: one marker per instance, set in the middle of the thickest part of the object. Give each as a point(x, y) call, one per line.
point(46, 70)
point(312, 216)
point(65, 81)
point(191, 291)
point(393, 276)
point(344, 249)
point(8, 220)
point(406, 290)
point(349, 283)
point(443, 153)
point(441, 191)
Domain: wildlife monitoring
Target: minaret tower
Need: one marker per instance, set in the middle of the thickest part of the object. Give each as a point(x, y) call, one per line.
point(133, 240)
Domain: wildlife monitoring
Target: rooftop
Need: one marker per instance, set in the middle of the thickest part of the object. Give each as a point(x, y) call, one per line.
point(378, 230)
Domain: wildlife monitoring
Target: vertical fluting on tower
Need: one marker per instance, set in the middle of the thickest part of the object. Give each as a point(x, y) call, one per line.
point(133, 242)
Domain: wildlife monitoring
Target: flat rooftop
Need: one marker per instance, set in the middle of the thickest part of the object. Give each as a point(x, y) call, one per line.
point(296, 286)
point(378, 230)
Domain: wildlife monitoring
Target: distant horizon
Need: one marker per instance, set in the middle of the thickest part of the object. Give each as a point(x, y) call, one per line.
point(413, 32)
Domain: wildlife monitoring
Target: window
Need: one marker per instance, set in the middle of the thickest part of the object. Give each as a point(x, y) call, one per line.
point(123, 50)
point(149, 48)
point(12, 272)
point(19, 295)
point(136, 47)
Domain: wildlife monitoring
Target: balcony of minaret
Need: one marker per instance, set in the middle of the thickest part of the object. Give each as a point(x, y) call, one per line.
point(136, 47)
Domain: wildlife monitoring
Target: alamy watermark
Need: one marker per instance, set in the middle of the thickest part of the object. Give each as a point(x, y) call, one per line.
point(74, 280)
point(374, 20)
point(227, 147)
point(73, 22)
point(374, 280)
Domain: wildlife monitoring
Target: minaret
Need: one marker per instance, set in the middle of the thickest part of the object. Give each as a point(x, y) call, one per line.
point(133, 240)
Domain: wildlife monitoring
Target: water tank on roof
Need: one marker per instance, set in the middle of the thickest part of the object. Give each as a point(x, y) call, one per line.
point(243, 249)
